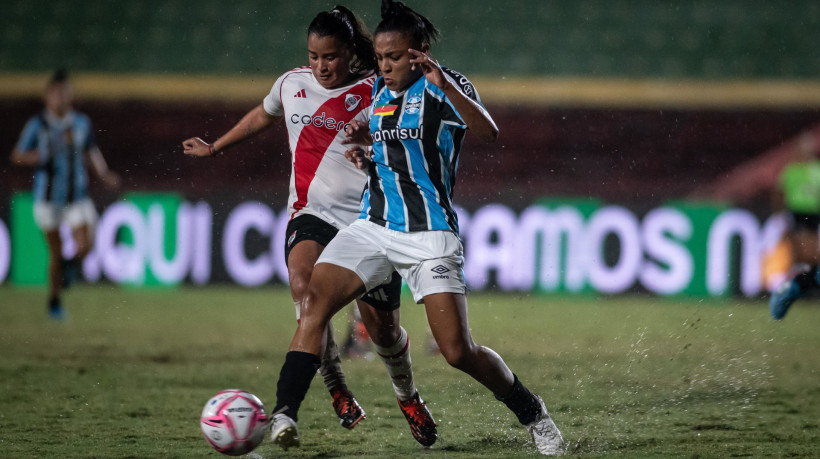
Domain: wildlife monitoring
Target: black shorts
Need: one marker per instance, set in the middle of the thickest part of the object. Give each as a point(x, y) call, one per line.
point(308, 228)
point(385, 297)
point(805, 222)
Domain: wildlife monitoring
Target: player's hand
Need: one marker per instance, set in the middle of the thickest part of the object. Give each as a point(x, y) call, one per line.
point(357, 133)
point(359, 156)
point(196, 147)
point(429, 66)
point(112, 180)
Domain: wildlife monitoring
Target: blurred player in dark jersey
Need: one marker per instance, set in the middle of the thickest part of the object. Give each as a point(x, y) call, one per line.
point(58, 143)
point(419, 117)
point(316, 103)
point(798, 190)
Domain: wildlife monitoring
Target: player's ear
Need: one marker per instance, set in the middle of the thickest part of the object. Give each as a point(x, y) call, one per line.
point(425, 47)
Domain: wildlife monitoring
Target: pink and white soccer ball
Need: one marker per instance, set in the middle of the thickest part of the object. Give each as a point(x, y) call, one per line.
point(234, 422)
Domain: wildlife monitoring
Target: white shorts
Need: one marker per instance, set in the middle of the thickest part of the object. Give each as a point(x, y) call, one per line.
point(429, 261)
point(48, 217)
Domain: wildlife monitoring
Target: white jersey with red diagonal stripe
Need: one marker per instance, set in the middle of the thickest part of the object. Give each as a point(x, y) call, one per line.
point(322, 182)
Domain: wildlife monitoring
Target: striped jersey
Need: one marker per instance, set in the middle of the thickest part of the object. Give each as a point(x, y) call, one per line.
point(61, 143)
point(322, 182)
point(417, 138)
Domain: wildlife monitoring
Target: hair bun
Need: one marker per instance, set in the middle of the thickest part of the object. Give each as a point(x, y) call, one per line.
point(391, 8)
point(60, 76)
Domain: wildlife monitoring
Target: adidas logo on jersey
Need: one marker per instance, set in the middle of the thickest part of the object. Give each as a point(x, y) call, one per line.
point(301, 94)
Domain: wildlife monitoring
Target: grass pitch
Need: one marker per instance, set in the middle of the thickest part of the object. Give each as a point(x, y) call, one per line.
point(129, 371)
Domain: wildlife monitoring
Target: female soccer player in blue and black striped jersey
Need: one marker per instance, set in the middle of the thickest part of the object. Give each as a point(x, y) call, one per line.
point(418, 119)
point(316, 102)
point(58, 143)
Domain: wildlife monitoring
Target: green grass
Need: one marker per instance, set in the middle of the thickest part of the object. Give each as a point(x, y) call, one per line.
point(129, 371)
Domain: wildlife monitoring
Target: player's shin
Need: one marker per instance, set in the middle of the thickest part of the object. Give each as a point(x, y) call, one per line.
point(521, 402)
point(331, 369)
point(294, 381)
point(396, 359)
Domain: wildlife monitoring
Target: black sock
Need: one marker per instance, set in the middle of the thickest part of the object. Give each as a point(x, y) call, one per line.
point(521, 402)
point(807, 280)
point(54, 302)
point(294, 381)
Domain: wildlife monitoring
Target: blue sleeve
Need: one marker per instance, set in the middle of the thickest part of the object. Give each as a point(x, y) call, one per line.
point(448, 112)
point(463, 83)
point(444, 106)
point(30, 136)
point(91, 140)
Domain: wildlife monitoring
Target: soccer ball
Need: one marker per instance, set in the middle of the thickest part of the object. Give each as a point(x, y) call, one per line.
point(234, 422)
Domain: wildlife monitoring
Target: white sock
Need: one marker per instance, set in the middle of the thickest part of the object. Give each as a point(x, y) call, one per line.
point(396, 359)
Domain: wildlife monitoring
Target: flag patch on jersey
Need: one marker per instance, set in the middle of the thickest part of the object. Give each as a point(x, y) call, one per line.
point(385, 110)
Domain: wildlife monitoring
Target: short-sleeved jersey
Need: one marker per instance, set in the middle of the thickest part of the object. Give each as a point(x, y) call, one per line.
point(322, 183)
point(60, 177)
point(801, 187)
point(417, 138)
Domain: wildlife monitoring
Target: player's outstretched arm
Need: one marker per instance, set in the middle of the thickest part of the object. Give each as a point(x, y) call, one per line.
point(110, 178)
point(195, 146)
point(477, 118)
point(251, 124)
point(24, 158)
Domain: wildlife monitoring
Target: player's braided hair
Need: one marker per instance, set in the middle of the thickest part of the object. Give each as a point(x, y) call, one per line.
point(341, 23)
point(398, 17)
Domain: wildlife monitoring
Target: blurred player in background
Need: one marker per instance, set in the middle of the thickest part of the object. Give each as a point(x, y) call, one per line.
point(417, 123)
point(798, 190)
point(58, 143)
point(316, 103)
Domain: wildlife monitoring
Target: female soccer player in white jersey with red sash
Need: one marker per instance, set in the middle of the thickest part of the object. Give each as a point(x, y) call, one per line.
point(316, 104)
point(417, 124)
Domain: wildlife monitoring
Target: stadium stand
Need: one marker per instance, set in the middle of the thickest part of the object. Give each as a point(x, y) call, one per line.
point(623, 38)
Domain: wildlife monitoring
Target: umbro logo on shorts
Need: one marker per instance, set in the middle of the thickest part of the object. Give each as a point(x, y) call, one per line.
point(301, 94)
point(440, 270)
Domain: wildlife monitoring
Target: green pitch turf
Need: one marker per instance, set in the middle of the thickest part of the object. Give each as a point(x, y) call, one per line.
point(128, 373)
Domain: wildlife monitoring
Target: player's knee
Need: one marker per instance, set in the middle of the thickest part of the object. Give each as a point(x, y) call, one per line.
point(314, 316)
point(299, 282)
point(383, 330)
point(316, 304)
point(83, 249)
point(385, 335)
point(55, 243)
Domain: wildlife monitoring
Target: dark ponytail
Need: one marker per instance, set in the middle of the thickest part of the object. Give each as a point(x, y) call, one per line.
point(398, 17)
point(341, 23)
